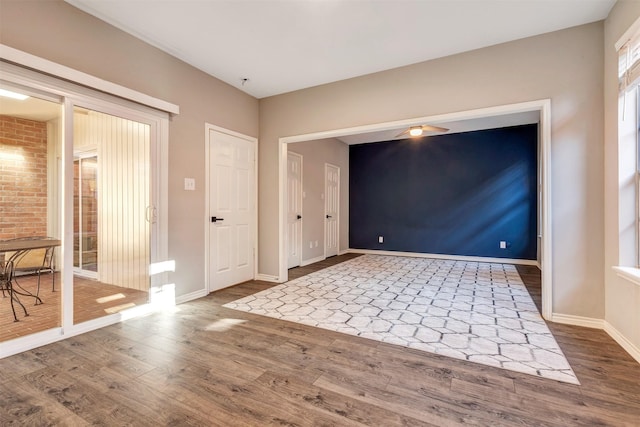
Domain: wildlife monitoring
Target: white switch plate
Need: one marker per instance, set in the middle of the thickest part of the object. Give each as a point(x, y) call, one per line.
point(189, 184)
point(380, 239)
point(503, 244)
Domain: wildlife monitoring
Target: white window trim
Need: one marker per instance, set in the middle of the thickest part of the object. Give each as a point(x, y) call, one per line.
point(629, 273)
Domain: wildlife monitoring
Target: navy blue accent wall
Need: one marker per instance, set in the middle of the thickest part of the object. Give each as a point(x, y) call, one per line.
point(457, 194)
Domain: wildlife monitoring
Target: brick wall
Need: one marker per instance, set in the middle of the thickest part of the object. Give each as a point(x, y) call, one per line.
point(23, 178)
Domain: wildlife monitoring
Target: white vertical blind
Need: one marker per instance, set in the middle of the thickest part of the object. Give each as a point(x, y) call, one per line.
point(629, 57)
point(123, 148)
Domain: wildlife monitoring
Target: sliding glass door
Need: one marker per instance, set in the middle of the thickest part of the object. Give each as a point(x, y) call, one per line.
point(82, 174)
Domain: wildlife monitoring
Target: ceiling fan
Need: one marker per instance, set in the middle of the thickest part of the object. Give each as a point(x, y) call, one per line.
point(419, 130)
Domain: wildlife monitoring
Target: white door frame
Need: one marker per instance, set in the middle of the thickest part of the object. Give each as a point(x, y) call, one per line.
point(324, 220)
point(207, 244)
point(543, 106)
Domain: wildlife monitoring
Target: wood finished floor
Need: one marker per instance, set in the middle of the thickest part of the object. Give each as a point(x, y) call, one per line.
point(92, 300)
point(204, 365)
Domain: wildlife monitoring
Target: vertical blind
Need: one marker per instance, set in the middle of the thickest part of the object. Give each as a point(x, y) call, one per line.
point(123, 149)
point(123, 165)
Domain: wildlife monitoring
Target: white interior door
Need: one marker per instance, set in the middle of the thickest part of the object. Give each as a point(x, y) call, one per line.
point(231, 209)
point(331, 209)
point(294, 209)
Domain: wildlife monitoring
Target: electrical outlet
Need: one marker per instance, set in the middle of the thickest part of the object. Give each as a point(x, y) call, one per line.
point(503, 244)
point(380, 239)
point(310, 245)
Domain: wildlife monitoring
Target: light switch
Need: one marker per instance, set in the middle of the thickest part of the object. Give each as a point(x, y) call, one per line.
point(189, 184)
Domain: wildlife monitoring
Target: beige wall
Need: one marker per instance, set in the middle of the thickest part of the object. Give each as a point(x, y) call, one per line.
point(622, 296)
point(58, 32)
point(315, 154)
point(565, 66)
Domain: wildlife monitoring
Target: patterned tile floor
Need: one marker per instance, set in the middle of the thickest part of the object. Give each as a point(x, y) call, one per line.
point(480, 312)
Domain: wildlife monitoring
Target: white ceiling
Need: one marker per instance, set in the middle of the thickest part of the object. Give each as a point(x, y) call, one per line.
point(286, 45)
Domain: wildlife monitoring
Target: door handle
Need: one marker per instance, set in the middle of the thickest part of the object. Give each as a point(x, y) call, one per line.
point(299, 217)
point(216, 219)
point(329, 216)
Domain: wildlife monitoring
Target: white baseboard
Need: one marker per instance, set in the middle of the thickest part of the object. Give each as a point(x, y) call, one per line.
point(586, 322)
point(312, 260)
point(589, 322)
point(630, 348)
point(450, 257)
point(345, 251)
point(191, 296)
point(268, 278)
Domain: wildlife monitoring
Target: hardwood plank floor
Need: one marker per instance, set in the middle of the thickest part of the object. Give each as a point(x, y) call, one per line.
point(204, 365)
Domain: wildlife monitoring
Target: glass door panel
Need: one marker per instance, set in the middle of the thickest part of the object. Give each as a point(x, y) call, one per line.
point(30, 214)
point(112, 234)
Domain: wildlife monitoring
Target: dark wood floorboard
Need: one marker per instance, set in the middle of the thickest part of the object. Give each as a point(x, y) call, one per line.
point(204, 365)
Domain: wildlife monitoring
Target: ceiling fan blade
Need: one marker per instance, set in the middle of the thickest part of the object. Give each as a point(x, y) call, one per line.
point(431, 128)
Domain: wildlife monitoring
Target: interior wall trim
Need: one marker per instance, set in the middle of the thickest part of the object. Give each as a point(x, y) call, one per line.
point(267, 278)
point(449, 257)
point(49, 67)
point(589, 322)
point(191, 296)
point(312, 260)
point(629, 347)
point(585, 322)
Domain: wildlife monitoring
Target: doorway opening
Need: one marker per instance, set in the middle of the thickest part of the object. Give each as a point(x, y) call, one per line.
point(541, 108)
point(85, 220)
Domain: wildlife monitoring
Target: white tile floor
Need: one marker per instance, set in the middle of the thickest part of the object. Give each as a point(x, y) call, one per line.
point(480, 312)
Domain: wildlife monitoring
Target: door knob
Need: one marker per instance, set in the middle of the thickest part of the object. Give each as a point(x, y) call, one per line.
point(299, 217)
point(216, 219)
point(329, 216)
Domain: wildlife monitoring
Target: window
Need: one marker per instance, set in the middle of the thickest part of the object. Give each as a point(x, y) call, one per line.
point(629, 151)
